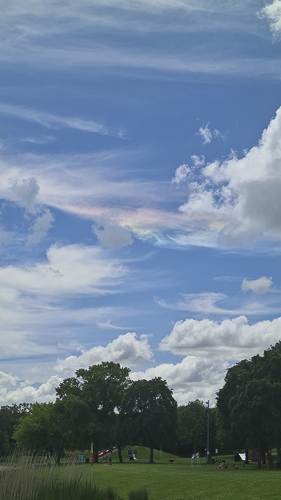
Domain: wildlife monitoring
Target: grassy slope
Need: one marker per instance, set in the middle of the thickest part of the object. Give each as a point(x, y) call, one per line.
point(178, 481)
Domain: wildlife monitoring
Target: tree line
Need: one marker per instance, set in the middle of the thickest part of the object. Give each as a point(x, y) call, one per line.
point(103, 405)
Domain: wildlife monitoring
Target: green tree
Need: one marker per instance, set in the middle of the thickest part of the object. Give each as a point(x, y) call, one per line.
point(192, 424)
point(34, 430)
point(45, 428)
point(149, 413)
point(9, 418)
point(249, 404)
point(96, 394)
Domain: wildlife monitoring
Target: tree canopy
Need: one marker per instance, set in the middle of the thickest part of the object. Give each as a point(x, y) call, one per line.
point(150, 413)
point(249, 403)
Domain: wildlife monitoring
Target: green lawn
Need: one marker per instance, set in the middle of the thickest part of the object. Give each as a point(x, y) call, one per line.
point(162, 480)
point(177, 481)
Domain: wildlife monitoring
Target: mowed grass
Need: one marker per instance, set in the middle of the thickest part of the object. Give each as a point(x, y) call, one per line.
point(177, 481)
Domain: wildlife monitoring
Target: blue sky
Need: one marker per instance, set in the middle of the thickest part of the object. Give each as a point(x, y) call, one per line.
point(140, 177)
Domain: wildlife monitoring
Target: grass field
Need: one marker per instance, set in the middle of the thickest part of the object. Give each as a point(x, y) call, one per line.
point(177, 481)
point(162, 480)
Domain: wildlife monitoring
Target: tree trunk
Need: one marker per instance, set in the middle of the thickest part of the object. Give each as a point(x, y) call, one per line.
point(259, 453)
point(58, 453)
point(278, 455)
point(151, 456)
point(119, 453)
point(96, 454)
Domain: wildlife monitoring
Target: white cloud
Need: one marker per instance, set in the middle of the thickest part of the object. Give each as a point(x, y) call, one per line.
point(241, 197)
point(23, 392)
point(198, 161)
point(25, 192)
point(272, 12)
point(231, 339)
point(259, 286)
point(126, 350)
point(42, 224)
point(110, 234)
point(194, 377)
point(52, 121)
point(39, 140)
point(219, 303)
point(205, 133)
point(219, 135)
point(181, 173)
point(71, 269)
point(7, 379)
point(36, 300)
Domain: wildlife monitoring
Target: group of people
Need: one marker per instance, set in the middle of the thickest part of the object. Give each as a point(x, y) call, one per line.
point(223, 465)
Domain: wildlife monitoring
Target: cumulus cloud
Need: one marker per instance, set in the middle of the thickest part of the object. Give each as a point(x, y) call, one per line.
point(241, 197)
point(24, 392)
point(259, 286)
point(110, 234)
point(272, 12)
point(42, 224)
point(230, 339)
point(127, 350)
point(194, 377)
point(198, 161)
point(205, 133)
point(24, 193)
point(181, 173)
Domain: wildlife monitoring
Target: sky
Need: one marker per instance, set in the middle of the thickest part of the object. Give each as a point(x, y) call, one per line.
point(140, 181)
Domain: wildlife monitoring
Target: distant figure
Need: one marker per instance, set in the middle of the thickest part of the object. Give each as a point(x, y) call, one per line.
point(223, 465)
point(49, 464)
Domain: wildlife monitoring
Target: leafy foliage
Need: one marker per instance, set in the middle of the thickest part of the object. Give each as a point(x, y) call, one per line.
point(249, 404)
point(149, 412)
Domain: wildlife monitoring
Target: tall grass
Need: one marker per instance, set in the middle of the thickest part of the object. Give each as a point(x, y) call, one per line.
point(30, 480)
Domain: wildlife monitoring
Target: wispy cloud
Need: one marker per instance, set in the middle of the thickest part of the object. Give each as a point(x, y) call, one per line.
point(218, 304)
point(39, 140)
point(206, 134)
point(53, 121)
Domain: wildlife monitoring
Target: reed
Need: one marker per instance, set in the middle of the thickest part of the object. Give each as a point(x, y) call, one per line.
point(29, 478)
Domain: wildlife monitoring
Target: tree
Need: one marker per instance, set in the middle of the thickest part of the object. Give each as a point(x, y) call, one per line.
point(45, 428)
point(192, 424)
point(34, 430)
point(9, 418)
point(97, 394)
point(149, 412)
point(249, 404)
